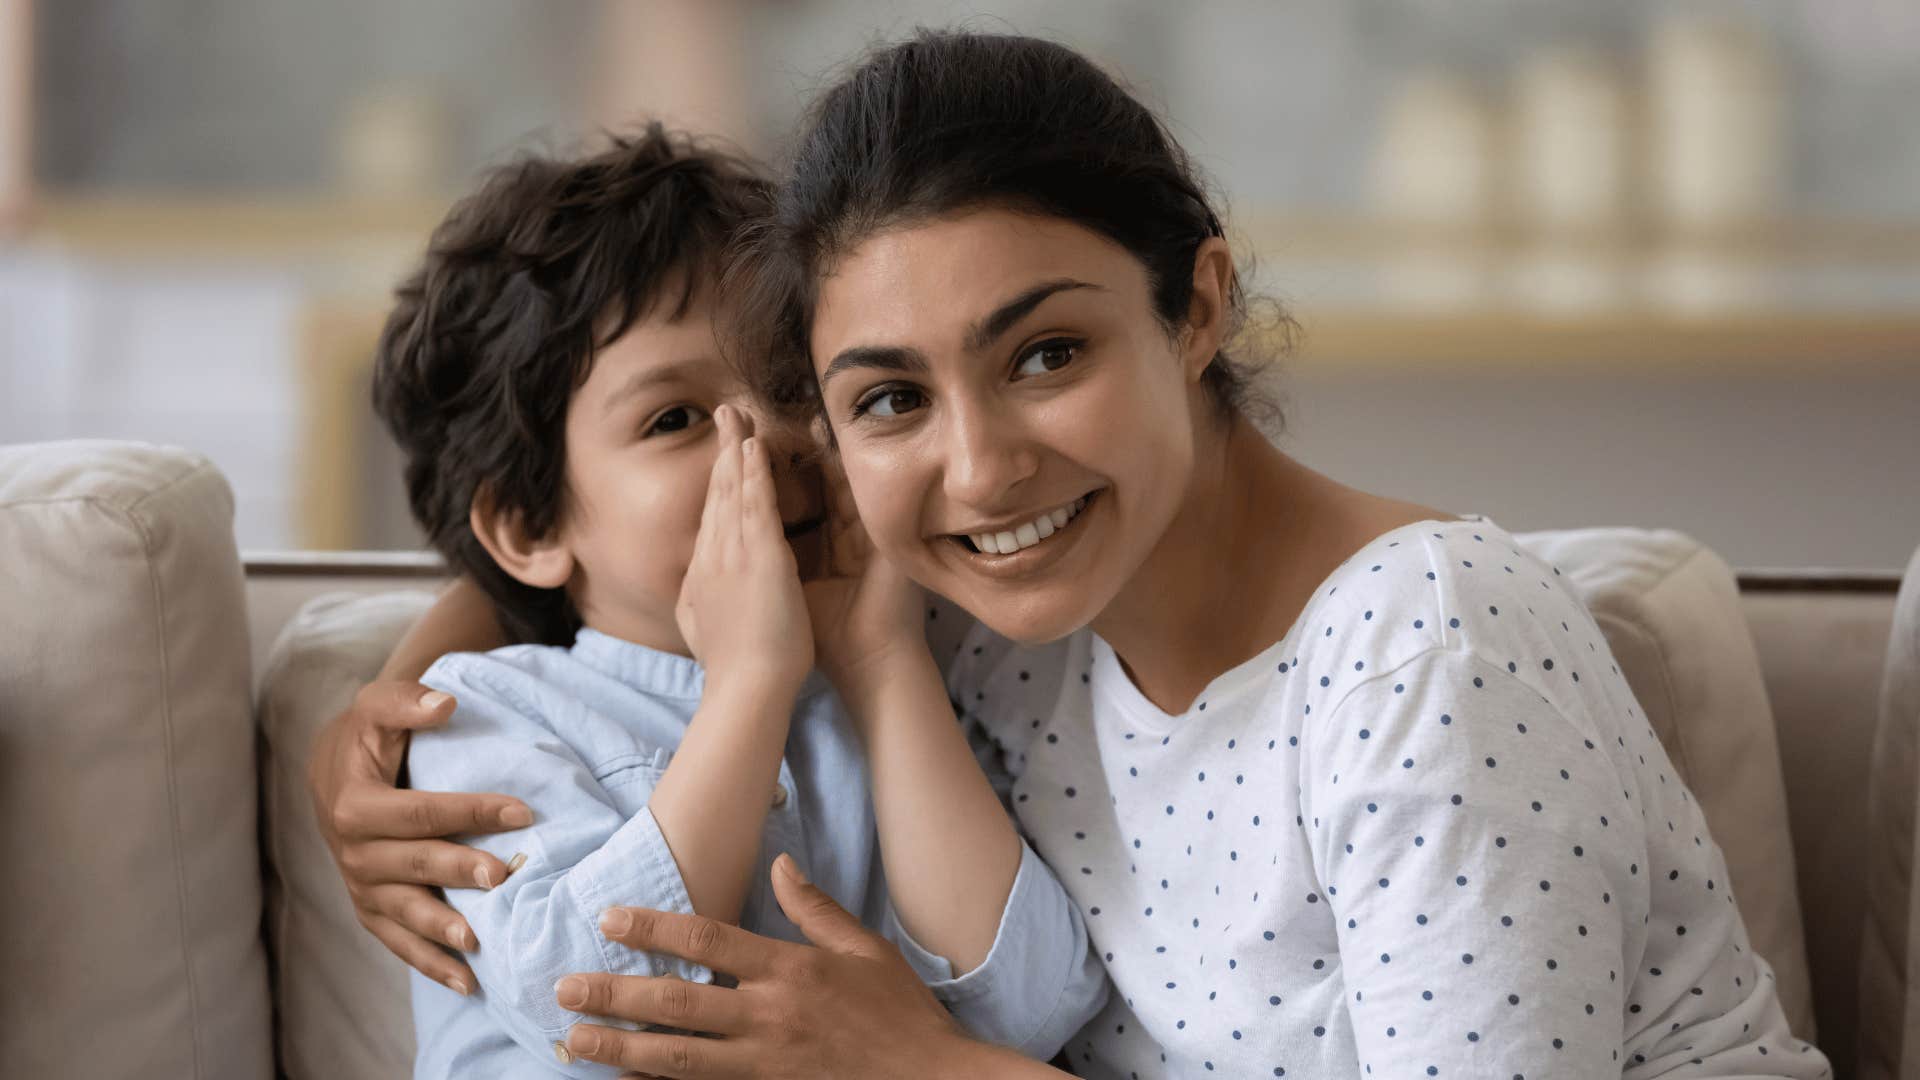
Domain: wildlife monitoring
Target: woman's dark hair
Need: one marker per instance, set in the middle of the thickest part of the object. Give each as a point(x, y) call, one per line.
point(952, 121)
point(549, 261)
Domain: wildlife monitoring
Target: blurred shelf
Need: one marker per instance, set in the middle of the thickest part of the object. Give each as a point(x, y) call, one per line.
point(1289, 237)
point(1625, 342)
point(163, 227)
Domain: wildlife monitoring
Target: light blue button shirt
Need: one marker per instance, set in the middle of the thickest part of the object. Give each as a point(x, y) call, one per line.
point(581, 735)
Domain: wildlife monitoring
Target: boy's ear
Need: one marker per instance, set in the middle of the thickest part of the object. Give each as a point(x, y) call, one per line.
point(543, 563)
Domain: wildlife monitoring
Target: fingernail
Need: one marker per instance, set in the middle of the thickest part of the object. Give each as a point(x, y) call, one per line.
point(561, 1054)
point(519, 860)
point(571, 991)
point(483, 876)
point(432, 699)
point(747, 448)
point(793, 869)
point(616, 921)
point(516, 817)
point(459, 985)
point(584, 1040)
point(459, 936)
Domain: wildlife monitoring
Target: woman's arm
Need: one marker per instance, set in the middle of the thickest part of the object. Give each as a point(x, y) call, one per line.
point(950, 850)
point(1485, 865)
point(849, 1006)
point(461, 620)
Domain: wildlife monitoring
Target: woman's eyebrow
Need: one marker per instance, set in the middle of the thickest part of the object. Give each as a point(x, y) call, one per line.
point(979, 336)
point(1002, 319)
point(885, 357)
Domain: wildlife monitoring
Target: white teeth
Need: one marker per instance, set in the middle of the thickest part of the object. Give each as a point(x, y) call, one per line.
point(1006, 543)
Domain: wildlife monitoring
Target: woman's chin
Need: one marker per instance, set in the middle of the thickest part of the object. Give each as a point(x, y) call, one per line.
point(1032, 618)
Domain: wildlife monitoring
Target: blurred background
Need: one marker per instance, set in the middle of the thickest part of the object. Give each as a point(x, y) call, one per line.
point(1559, 262)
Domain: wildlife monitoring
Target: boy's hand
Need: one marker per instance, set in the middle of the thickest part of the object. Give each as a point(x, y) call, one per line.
point(866, 613)
point(741, 610)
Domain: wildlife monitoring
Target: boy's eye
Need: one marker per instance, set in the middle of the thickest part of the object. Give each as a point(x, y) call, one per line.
point(1044, 357)
point(678, 418)
point(890, 401)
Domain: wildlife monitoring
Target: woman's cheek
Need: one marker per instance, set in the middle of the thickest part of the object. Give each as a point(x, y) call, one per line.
point(885, 495)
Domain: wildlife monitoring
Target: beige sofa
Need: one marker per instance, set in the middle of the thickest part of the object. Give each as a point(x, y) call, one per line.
point(172, 913)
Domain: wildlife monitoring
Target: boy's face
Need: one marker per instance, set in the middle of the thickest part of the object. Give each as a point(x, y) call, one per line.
point(640, 445)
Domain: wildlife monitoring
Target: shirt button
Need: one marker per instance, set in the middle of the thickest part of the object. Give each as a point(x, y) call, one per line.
point(779, 796)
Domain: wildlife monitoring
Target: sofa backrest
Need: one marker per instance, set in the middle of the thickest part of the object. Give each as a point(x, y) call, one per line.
point(129, 927)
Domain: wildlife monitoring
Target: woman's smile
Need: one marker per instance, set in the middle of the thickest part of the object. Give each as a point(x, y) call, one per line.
point(1032, 546)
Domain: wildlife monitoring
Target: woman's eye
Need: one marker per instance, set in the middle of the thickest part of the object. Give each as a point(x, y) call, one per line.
point(1044, 357)
point(897, 401)
point(678, 418)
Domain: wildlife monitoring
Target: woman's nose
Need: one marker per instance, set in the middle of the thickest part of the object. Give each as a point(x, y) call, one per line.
point(988, 457)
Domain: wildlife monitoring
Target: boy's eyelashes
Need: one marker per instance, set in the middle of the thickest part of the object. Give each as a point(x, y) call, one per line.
point(674, 419)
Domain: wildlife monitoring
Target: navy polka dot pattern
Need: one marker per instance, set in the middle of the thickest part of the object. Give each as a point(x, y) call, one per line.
point(1428, 833)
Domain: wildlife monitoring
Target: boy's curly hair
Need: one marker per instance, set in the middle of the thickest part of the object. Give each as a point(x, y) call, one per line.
point(526, 278)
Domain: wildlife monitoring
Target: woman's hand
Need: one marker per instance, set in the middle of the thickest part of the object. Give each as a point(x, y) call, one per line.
point(865, 612)
point(848, 1007)
point(387, 841)
point(741, 611)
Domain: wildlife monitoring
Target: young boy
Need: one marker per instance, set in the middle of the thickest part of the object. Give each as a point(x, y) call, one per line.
point(575, 447)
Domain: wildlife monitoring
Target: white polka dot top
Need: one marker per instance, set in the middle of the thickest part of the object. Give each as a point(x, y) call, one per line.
point(1427, 834)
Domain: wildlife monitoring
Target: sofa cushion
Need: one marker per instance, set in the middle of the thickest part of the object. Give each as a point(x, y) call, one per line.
point(342, 996)
point(1889, 953)
point(130, 926)
point(1670, 610)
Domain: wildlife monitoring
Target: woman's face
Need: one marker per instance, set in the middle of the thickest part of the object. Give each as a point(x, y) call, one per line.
point(1016, 425)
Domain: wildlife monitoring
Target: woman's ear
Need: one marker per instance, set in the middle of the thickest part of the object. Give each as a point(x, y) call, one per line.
point(1210, 307)
point(541, 562)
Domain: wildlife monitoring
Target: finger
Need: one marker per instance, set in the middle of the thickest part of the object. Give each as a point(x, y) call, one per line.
point(416, 908)
point(396, 705)
point(824, 922)
point(725, 485)
point(664, 1001)
point(373, 812)
point(679, 1056)
point(424, 862)
point(693, 937)
point(422, 955)
point(759, 503)
point(713, 516)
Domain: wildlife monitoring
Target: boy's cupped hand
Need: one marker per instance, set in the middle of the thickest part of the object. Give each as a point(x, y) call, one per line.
point(741, 609)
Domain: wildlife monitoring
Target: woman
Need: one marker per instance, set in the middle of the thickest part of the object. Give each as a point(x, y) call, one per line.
point(1342, 785)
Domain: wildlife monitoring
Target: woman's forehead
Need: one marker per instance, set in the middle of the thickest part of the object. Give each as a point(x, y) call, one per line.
point(938, 278)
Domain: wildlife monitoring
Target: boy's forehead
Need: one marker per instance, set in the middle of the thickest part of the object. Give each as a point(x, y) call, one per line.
point(655, 352)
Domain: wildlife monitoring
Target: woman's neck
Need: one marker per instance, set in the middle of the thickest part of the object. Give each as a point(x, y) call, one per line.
point(1255, 536)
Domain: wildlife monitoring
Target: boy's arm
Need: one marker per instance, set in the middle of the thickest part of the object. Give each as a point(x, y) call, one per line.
point(711, 804)
point(581, 856)
point(384, 841)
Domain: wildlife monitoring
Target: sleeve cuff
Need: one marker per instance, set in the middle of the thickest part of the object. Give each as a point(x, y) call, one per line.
point(636, 869)
point(1011, 997)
